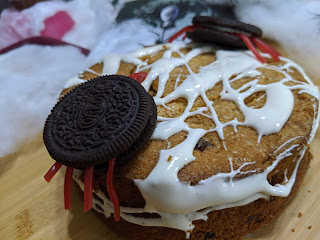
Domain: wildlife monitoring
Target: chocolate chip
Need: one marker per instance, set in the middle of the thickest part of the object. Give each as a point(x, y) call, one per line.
point(273, 198)
point(252, 218)
point(202, 144)
point(210, 235)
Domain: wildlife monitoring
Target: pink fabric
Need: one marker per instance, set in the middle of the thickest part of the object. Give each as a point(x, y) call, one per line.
point(15, 27)
point(57, 25)
point(18, 25)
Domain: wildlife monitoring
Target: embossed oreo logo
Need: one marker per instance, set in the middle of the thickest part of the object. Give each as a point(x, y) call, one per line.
point(92, 113)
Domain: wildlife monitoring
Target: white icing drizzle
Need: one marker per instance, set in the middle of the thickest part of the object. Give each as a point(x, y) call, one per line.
point(73, 82)
point(183, 221)
point(178, 203)
point(111, 64)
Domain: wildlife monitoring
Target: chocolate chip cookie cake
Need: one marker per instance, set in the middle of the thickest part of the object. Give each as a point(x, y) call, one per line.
point(187, 141)
point(228, 152)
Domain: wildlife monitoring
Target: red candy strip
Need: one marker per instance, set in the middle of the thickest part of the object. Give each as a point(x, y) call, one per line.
point(52, 171)
point(251, 47)
point(139, 77)
point(182, 31)
point(67, 188)
point(266, 48)
point(88, 177)
point(45, 41)
point(184, 37)
point(112, 192)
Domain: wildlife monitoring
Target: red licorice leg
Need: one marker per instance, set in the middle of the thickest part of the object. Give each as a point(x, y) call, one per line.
point(139, 77)
point(67, 188)
point(52, 171)
point(251, 47)
point(182, 31)
point(184, 37)
point(88, 177)
point(112, 192)
point(266, 48)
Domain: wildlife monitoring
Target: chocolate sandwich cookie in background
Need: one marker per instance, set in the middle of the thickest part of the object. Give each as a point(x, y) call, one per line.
point(227, 25)
point(220, 30)
point(227, 34)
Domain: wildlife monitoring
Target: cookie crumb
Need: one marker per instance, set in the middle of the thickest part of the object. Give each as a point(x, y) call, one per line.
point(309, 227)
point(293, 230)
point(299, 215)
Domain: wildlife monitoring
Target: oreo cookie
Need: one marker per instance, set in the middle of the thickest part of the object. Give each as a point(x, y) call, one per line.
point(213, 36)
point(138, 145)
point(222, 31)
point(100, 120)
point(227, 25)
point(227, 33)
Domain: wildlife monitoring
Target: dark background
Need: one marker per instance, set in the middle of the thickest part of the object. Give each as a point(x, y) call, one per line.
point(4, 4)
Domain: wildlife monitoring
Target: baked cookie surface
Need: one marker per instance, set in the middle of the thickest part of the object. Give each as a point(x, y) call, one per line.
point(230, 146)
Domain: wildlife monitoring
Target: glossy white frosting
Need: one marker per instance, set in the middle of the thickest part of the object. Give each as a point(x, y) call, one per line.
point(178, 203)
